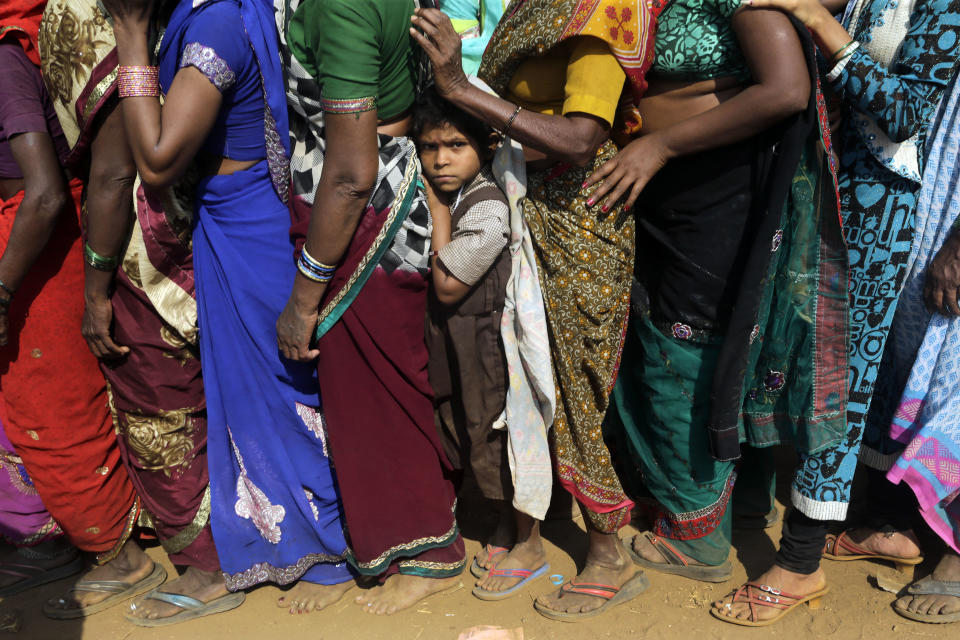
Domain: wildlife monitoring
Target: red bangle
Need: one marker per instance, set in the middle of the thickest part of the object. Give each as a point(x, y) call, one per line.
point(138, 81)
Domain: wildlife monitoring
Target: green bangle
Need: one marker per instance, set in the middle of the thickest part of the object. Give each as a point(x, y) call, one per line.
point(841, 50)
point(97, 261)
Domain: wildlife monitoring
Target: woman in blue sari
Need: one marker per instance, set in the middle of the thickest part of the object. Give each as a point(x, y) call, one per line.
point(274, 506)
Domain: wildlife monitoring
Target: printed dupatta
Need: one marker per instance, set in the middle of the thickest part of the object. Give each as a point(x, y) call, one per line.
point(534, 27)
point(781, 375)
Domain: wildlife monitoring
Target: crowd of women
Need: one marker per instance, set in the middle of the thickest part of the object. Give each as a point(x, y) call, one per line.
point(653, 239)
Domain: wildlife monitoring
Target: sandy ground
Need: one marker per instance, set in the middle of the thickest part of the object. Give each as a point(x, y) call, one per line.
point(672, 607)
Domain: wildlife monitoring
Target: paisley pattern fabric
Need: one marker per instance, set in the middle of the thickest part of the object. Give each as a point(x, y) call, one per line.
point(878, 207)
point(696, 41)
point(585, 266)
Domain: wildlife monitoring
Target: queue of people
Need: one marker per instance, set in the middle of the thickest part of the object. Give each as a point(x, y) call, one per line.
point(276, 275)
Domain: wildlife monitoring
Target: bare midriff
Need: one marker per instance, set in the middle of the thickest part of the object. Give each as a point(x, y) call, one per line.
point(668, 102)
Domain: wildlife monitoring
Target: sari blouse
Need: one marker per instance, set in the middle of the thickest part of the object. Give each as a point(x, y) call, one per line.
point(212, 42)
point(580, 75)
point(360, 51)
point(695, 41)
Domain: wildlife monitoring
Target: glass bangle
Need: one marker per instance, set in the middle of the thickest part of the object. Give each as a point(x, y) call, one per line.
point(97, 261)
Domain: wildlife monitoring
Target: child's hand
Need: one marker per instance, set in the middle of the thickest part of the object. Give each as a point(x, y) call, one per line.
point(437, 207)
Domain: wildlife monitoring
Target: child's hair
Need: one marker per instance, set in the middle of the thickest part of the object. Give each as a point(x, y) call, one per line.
point(433, 111)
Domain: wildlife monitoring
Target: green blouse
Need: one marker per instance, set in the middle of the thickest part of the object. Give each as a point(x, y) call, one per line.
point(695, 41)
point(360, 51)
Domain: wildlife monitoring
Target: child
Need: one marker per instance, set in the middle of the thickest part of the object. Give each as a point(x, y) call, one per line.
point(471, 265)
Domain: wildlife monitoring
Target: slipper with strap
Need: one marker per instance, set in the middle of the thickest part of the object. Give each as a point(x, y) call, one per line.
point(930, 587)
point(33, 576)
point(120, 591)
point(192, 608)
point(527, 575)
point(674, 563)
point(756, 595)
point(612, 596)
point(856, 552)
point(492, 552)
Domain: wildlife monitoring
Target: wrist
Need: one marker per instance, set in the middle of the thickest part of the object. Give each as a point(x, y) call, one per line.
point(306, 295)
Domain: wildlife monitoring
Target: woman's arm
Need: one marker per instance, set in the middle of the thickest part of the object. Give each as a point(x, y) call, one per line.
point(573, 138)
point(900, 99)
point(109, 201)
point(346, 183)
point(45, 197)
point(164, 141)
point(781, 87)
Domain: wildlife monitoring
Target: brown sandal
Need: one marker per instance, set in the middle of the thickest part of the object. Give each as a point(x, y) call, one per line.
point(856, 552)
point(762, 595)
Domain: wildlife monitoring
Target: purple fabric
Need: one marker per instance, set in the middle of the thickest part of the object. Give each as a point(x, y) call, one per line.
point(23, 518)
point(24, 106)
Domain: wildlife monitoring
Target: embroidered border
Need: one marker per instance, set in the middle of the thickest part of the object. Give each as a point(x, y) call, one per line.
point(379, 564)
point(266, 572)
point(693, 525)
point(132, 517)
point(207, 61)
point(395, 217)
point(432, 569)
point(185, 537)
point(352, 105)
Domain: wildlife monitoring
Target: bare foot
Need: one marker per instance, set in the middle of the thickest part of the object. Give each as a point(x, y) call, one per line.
point(948, 570)
point(899, 544)
point(607, 563)
point(787, 582)
point(205, 586)
point(401, 591)
point(130, 566)
point(644, 548)
point(305, 596)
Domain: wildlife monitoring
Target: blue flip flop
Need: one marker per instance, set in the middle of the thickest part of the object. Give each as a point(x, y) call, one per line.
point(527, 575)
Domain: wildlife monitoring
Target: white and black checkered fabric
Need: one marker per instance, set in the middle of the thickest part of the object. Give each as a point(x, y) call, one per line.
point(410, 248)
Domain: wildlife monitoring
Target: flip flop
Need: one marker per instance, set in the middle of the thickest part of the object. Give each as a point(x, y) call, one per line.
point(492, 552)
point(527, 575)
point(192, 608)
point(856, 552)
point(613, 596)
point(34, 576)
point(121, 591)
point(763, 595)
point(674, 562)
point(930, 587)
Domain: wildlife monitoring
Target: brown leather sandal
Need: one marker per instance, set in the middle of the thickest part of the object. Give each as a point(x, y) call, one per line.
point(856, 552)
point(756, 595)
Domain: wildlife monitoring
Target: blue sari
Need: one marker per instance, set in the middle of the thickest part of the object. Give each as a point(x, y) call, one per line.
point(274, 502)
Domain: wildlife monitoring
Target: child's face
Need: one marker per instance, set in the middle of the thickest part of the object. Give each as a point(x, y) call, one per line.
point(450, 158)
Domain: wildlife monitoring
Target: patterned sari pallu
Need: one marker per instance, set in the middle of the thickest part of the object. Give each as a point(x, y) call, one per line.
point(584, 260)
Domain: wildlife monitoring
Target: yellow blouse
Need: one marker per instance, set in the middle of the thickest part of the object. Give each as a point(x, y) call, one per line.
point(580, 75)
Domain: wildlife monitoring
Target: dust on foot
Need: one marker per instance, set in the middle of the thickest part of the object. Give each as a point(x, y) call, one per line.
point(948, 570)
point(401, 591)
point(786, 582)
point(305, 597)
point(614, 572)
point(204, 586)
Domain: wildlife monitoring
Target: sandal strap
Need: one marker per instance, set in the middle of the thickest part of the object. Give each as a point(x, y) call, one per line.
point(509, 573)
point(176, 599)
point(930, 587)
point(597, 590)
point(842, 541)
point(666, 550)
point(101, 586)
